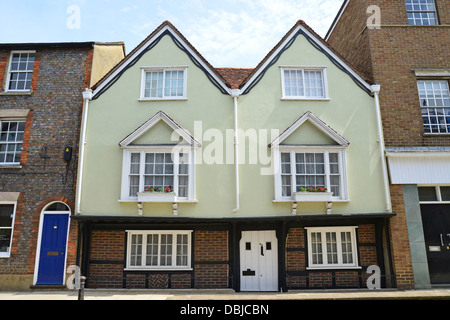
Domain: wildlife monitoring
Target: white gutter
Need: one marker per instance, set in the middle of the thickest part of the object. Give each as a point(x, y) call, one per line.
point(87, 96)
point(376, 91)
point(235, 94)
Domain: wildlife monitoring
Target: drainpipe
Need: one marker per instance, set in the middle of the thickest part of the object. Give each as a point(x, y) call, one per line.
point(235, 94)
point(376, 91)
point(87, 96)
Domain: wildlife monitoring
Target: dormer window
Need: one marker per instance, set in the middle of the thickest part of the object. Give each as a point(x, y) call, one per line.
point(163, 83)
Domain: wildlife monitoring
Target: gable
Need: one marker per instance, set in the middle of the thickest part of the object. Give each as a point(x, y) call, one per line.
point(159, 134)
point(302, 30)
point(309, 130)
point(159, 130)
point(308, 134)
point(165, 29)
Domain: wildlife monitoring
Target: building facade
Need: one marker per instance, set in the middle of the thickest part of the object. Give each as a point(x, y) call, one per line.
point(406, 53)
point(40, 114)
point(264, 179)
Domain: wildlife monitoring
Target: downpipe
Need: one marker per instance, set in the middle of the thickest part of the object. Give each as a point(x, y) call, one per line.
point(235, 94)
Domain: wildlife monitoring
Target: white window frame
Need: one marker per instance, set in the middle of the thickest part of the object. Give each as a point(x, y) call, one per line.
point(14, 203)
point(144, 234)
point(323, 70)
point(437, 189)
point(420, 12)
point(340, 264)
point(10, 72)
point(144, 71)
point(125, 188)
point(441, 120)
point(14, 164)
point(292, 151)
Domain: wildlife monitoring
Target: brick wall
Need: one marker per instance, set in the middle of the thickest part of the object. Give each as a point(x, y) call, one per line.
point(55, 105)
point(107, 261)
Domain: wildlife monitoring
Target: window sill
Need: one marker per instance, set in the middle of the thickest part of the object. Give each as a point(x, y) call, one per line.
point(12, 166)
point(301, 98)
point(287, 200)
point(333, 268)
point(163, 99)
point(15, 93)
point(177, 201)
point(436, 134)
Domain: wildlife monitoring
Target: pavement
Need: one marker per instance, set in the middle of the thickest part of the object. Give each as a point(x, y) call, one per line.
point(227, 295)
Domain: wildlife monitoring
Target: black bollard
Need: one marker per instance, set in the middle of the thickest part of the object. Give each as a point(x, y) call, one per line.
point(81, 291)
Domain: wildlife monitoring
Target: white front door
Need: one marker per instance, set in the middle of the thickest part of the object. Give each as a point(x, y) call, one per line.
point(259, 261)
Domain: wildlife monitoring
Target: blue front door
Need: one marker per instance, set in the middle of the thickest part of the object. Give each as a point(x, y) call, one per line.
point(53, 249)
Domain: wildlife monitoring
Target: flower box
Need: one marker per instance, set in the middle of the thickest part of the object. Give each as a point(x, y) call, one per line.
point(304, 196)
point(157, 197)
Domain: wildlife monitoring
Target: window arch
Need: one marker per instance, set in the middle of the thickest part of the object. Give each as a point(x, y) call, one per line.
point(56, 207)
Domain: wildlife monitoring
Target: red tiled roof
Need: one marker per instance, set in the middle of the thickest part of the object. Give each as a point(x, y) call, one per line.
point(234, 77)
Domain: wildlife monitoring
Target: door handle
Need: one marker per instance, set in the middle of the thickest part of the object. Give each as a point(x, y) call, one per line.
point(262, 249)
point(442, 240)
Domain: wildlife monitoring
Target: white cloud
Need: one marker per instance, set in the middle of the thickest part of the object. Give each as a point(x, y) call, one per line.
point(241, 32)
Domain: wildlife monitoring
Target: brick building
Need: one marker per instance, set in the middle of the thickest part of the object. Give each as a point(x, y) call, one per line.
point(40, 114)
point(408, 56)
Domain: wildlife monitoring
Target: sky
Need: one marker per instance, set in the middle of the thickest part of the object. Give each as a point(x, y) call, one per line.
point(227, 33)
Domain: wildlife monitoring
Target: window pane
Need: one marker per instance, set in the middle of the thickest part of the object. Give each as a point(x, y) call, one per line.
point(136, 250)
point(427, 194)
point(346, 244)
point(5, 240)
point(6, 215)
point(331, 248)
point(445, 193)
point(421, 12)
point(316, 247)
point(152, 250)
point(166, 250)
point(182, 250)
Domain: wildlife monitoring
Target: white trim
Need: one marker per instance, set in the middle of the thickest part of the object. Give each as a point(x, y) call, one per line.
point(144, 47)
point(38, 247)
point(319, 124)
point(317, 42)
point(14, 203)
point(130, 233)
point(337, 230)
point(163, 69)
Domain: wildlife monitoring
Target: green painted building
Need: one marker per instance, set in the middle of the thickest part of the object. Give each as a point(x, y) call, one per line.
point(264, 179)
